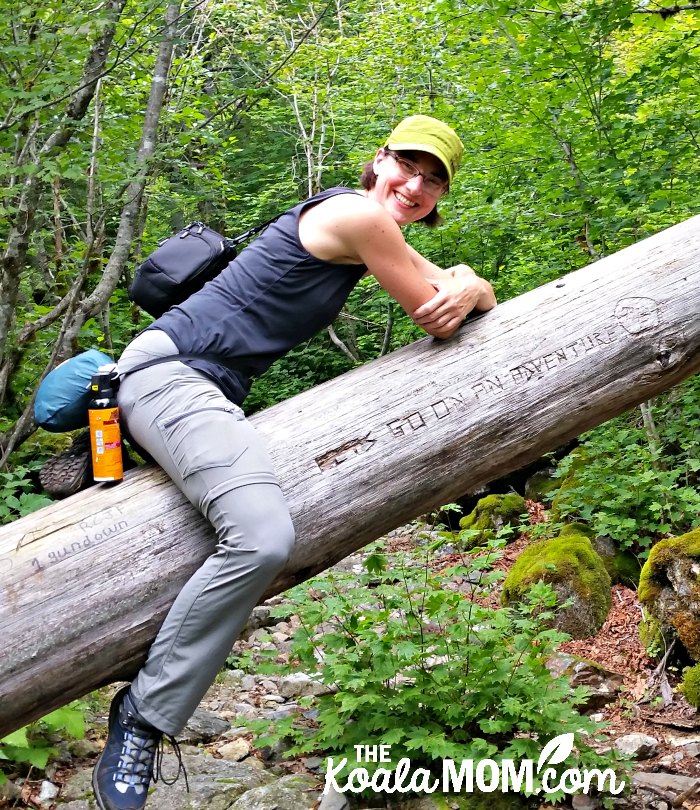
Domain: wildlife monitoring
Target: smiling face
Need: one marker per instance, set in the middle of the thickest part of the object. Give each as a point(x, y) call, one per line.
point(406, 200)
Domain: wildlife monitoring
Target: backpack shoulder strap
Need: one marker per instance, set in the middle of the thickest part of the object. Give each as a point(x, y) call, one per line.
point(171, 358)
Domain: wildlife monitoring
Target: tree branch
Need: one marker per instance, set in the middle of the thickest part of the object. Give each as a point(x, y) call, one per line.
point(97, 300)
point(242, 104)
point(18, 240)
point(342, 346)
point(667, 11)
point(107, 70)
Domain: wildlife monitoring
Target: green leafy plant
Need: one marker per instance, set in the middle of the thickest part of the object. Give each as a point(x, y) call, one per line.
point(416, 664)
point(631, 489)
point(31, 745)
point(17, 495)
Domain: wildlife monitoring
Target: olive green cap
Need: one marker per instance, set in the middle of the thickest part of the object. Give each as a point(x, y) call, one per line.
point(425, 134)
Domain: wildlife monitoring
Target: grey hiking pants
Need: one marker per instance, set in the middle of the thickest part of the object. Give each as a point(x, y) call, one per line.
point(218, 460)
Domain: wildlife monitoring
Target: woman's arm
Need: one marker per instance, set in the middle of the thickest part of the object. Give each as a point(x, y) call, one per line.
point(350, 228)
point(459, 291)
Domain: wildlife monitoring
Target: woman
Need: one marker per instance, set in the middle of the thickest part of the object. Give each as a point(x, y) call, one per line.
point(287, 285)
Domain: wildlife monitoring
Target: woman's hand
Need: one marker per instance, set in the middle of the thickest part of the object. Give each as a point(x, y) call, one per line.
point(457, 295)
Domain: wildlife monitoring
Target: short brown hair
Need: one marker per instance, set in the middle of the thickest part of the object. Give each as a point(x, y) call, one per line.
point(368, 180)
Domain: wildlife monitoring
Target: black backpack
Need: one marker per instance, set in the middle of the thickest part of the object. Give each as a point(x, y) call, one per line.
point(182, 264)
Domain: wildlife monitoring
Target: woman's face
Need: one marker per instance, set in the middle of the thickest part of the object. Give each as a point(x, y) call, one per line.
point(406, 200)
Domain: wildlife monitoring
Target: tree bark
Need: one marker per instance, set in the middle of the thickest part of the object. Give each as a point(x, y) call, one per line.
point(85, 583)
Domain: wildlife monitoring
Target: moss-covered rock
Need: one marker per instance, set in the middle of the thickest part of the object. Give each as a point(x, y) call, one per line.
point(626, 569)
point(542, 485)
point(577, 529)
point(669, 589)
point(690, 685)
point(621, 565)
point(491, 514)
point(575, 572)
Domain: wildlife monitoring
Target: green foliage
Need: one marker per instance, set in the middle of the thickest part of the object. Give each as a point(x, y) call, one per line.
point(301, 369)
point(31, 745)
point(415, 664)
point(17, 495)
point(627, 488)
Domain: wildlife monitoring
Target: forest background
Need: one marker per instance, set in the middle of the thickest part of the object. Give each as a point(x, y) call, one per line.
point(122, 121)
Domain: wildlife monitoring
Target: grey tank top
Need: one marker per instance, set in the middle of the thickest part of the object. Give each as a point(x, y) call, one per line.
point(271, 297)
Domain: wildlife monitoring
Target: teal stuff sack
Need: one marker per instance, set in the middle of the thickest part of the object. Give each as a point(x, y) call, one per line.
point(62, 400)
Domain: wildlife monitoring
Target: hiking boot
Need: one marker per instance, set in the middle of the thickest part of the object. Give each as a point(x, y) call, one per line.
point(125, 768)
point(70, 471)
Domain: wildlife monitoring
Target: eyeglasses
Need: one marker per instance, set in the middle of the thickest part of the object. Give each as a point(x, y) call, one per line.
point(432, 184)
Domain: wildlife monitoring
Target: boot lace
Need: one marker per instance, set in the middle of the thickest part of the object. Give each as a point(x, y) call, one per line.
point(141, 761)
point(158, 770)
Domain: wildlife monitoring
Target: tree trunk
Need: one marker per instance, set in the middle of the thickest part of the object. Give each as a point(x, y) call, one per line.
point(86, 582)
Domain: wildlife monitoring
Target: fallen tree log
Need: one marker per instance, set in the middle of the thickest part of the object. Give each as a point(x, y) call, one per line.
point(86, 582)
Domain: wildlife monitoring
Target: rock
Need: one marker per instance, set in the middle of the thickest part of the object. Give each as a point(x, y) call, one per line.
point(294, 792)
point(276, 699)
point(684, 739)
point(203, 727)
point(48, 793)
point(584, 802)
point(84, 748)
point(692, 749)
point(244, 710)
point(275, 752)
point(575, 572)
point(258, 636)
point(622, 566)
point(298, 684)
point(313, 763)
point(334, 800)
point(235, 732)
point(670, 591)
point(255, 763)
point(639, 746)
point(260, 617)
point(248, 682)
point(491, 514)
point(9, 792)
point(670, 786)
point(286, 628)
point(670, 760)
point(603, 685)
point(77, 788)
point(283, 711)
point(215, 784)
point(235, 751)
point(541, 484)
